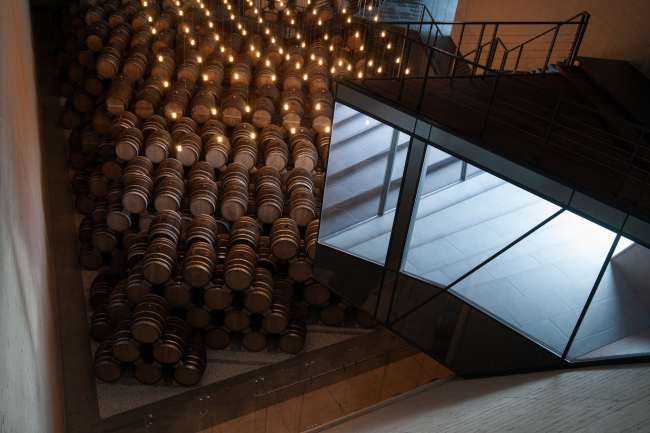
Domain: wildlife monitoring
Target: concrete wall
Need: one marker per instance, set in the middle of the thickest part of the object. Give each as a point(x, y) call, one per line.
point(31, 398)
point(617, 29)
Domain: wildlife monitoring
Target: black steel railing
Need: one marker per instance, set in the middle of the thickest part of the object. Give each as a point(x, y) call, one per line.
point(589, 138)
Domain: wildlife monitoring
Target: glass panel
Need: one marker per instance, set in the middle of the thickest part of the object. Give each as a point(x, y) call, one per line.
point(471, 171)
point(366, 162)
point(618, 319)
point(540, 285)
point(459, 227)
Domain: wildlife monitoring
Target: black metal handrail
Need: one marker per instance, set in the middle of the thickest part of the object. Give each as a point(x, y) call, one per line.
point(498, 75)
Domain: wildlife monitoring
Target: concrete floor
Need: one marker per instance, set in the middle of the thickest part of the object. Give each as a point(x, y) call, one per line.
point(604, 399)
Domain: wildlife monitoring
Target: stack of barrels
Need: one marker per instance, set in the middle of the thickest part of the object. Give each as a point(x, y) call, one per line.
point(199, 159)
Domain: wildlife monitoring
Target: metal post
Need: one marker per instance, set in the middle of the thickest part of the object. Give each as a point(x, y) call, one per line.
point(403, 71)
point(583, 28)
point(591, 295)
point(521, 49)
point(463, 172)
point(457, 53)
point(426, 76)
point(389, 173)
point(548, 132)
point(503, 62)
point(629, 164)
point(478, 49)
point(550, 50)
point(366, 46)
point(490, 57)
point(487, 112)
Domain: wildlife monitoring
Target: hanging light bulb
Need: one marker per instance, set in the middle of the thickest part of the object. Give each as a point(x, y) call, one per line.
point(232, 17)
point(257, 54)
point(166, 83)
point(219, 139)
point(160, 58)
point(349, 20)
point(331, 47)
point(332, 69)
point(236, 76)
point(349, 67)
point(150, 19)
point(292, 22)
point(180, 13)
point(280, 50)
point(318, 106)
point(178, 3)
point(320, 61)
point(326, 37)
point(216, 37)
point(214, 111)
point(297, 65)
point(298, 35)
point(287, 56)
point(187, 30)
point(243, 32)
point(314, 11)
point(248, 109)
point(192, 42)
point(239, 26)
point(267, 31)
point(253, 135)
point(313, 57)
point(360, 74)
point(174, 115)
point(344, 11)
point(327, 129)
point(376, 17)
point(293, 130)
point(273, 78)
point(272, 39)
point(397, 60)
point(286, 106)
point(361, 49)
point(268, 63)
point(230, 59)
point(320, 23)
point(202, 6)
point(145, 4)
point(340, 62)
point(255, 10)
point(379, 69)
point(223, 49)
point(370, 7)
point(207, 13)
point(179, 148)
point(388, 46)
point(200, 59)
point(383, 34)
point(210, 24)
point(205, 77)
point(356, 35)
point(260, 20)
point(304, 77)
point(407, 70)
point(252, 47)
point(288, 12)
point(370, 63)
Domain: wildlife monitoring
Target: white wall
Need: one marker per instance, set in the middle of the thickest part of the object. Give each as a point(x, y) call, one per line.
point(617, 29)
point(31, 399)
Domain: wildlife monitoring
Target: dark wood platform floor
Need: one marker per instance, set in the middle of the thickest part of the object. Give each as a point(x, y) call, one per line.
point(585, 148)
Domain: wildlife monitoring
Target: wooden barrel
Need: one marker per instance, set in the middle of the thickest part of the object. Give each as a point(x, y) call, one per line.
point(366, 320)
point(100, 323)
point(148, 371)
point(276, 319)
point(300, 177)
point(269, 91)
point(97, 183)
point(219, 296)
point(218, 338)
point(292, 114)
point(176, 103)
point(241, 73)
point(210, 129)
point(136, 62)
point(103, 239)
point(170, 167)
point(217, 151)
point(125, 349)
point(245, 231)
point(213, 70)
point(109, 61)
point(311, 238)
point(237, 320)
point(143, 36)
point(93, 83)
point(98, 35)
point(137, 194)
point(292, 77)
point(255, 339)
point(239, 267)
point(294, 339)
point(198, 264)
point(136, 286)
point(332, 315)
point(116, 18)
point(234, 201)
point(302, 206)
point(193, 365)
point(175, 336)
point(159, 261)
point(263, 112)
point(285, 238)
point(203, 198)
point(147, 101)
point(245, 152)
point(166, 224)
point(232, 45)
point(102, 120)
point(129, 143)
point(300, 270)
point(266, 74)
point(120, 93)
point(234, 110)
point(149, 318)
point(276, 154)
point(189, 149)
point(259, 296)
point(105, 366)
point(292, 94)
point(203, 107)
point(163, 64)
point(169, 194)
point(321, 116)
point(118, 307)
point(316, 294)
point(221, 247)
point(269, 203)
point(86, 229)
point(123, 121)
point(202, 229)
point(201, 171)
point(82, 100)
point(137, 249)
point(182, 126)
point(188, 68)
point(158, 146)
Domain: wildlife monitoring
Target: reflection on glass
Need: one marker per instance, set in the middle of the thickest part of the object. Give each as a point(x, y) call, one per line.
point(541, 284)
point(618, 319)
point(364, 172)
point(459, 227)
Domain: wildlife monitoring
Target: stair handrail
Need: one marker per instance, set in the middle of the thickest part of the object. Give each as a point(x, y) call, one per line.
point(645, 131)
